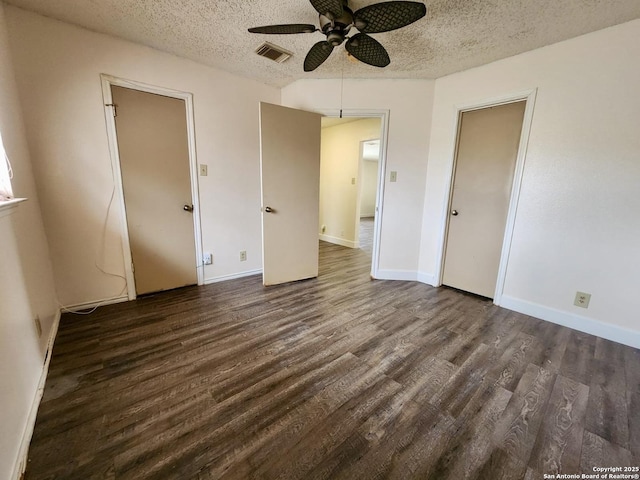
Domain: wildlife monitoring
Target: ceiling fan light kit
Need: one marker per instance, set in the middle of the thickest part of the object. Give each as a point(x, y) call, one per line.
point(336, 21)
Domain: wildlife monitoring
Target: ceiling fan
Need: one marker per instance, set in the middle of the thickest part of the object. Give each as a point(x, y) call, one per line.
point(337, 19)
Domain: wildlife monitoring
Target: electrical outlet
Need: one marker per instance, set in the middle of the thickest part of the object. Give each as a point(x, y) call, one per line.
point(38, 325)
point(243, 256)
point(323, 229)
point(207, 259)
point(353, 180)
point(203, 170)
point(582, 299)
point(393, 177)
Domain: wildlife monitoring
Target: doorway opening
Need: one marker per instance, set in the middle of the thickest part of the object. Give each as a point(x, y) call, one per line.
point(352, 181)
point(368, 196)
point(157, 195)
point(290, 162)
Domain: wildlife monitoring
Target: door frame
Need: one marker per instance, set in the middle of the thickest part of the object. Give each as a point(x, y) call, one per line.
point(529, 97)
point(107, 82)
point(361, 161)
point(383, 115)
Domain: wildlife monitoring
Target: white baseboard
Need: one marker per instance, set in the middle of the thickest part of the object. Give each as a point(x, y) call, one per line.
point(404, 275)
point(428, 278)
point(598, 328)
point(94, 304)
point(23, 452)
point(340, 241)
point(233, 276)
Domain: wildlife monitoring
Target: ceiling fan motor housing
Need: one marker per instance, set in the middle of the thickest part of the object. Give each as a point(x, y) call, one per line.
point(337, 29)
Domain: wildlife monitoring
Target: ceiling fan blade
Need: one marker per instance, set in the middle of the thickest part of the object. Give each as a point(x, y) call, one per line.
point(387, 16)
point(317, 55)
point(368, 50)
point(332, 7)
point(285, 29)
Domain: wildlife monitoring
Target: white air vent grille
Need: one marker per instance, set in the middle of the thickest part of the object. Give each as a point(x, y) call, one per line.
point(273, 52)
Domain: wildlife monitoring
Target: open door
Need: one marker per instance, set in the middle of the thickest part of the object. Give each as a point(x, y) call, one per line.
point(290, 170)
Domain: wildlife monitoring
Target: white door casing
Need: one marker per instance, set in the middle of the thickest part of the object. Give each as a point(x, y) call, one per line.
point(107, 82)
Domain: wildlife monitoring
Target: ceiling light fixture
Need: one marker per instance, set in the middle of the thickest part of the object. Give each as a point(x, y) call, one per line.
point(336, 21)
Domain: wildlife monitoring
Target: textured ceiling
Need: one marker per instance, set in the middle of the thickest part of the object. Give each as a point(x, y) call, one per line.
point(455, 35)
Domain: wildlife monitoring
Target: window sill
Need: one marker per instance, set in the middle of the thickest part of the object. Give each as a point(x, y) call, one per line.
point(8, 206)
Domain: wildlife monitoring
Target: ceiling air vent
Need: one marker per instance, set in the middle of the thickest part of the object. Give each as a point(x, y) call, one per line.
point(273, 52)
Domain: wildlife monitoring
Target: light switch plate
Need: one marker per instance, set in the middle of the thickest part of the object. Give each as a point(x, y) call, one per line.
point(203, 170)
point(393, 177)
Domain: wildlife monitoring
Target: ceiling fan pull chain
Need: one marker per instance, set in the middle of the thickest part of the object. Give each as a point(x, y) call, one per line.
point(341, 89)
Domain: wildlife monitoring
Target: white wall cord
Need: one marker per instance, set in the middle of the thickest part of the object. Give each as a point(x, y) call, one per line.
point(100, 254)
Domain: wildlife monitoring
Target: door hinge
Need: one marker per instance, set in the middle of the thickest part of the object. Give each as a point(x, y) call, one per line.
point(115, 108)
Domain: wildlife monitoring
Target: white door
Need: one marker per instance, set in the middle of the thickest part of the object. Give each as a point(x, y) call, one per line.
point(488, 143)
point(154, 159)
point(290, 169)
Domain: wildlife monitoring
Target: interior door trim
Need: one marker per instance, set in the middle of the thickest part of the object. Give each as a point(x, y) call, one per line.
point(529, 96)
point(108, 81)
point(383, 115)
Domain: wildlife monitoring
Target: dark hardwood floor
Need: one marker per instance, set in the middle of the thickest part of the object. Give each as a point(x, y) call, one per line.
point(365, 235)
point(338, 377)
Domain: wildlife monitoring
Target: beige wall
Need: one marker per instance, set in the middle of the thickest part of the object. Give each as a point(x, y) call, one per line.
point(340, 156)
point(58, 67)
point(409, 104)
point(577, 224)
point(26, 281)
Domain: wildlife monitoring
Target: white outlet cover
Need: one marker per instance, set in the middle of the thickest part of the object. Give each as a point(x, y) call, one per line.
point(582, 299)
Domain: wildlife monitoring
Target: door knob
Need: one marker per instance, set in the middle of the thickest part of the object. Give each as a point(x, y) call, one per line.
point(454, 213)
point(188, 208)
point(268, 209)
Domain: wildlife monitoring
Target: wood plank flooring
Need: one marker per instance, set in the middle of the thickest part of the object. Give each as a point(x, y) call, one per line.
point(365, 235)
point(338, 377)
